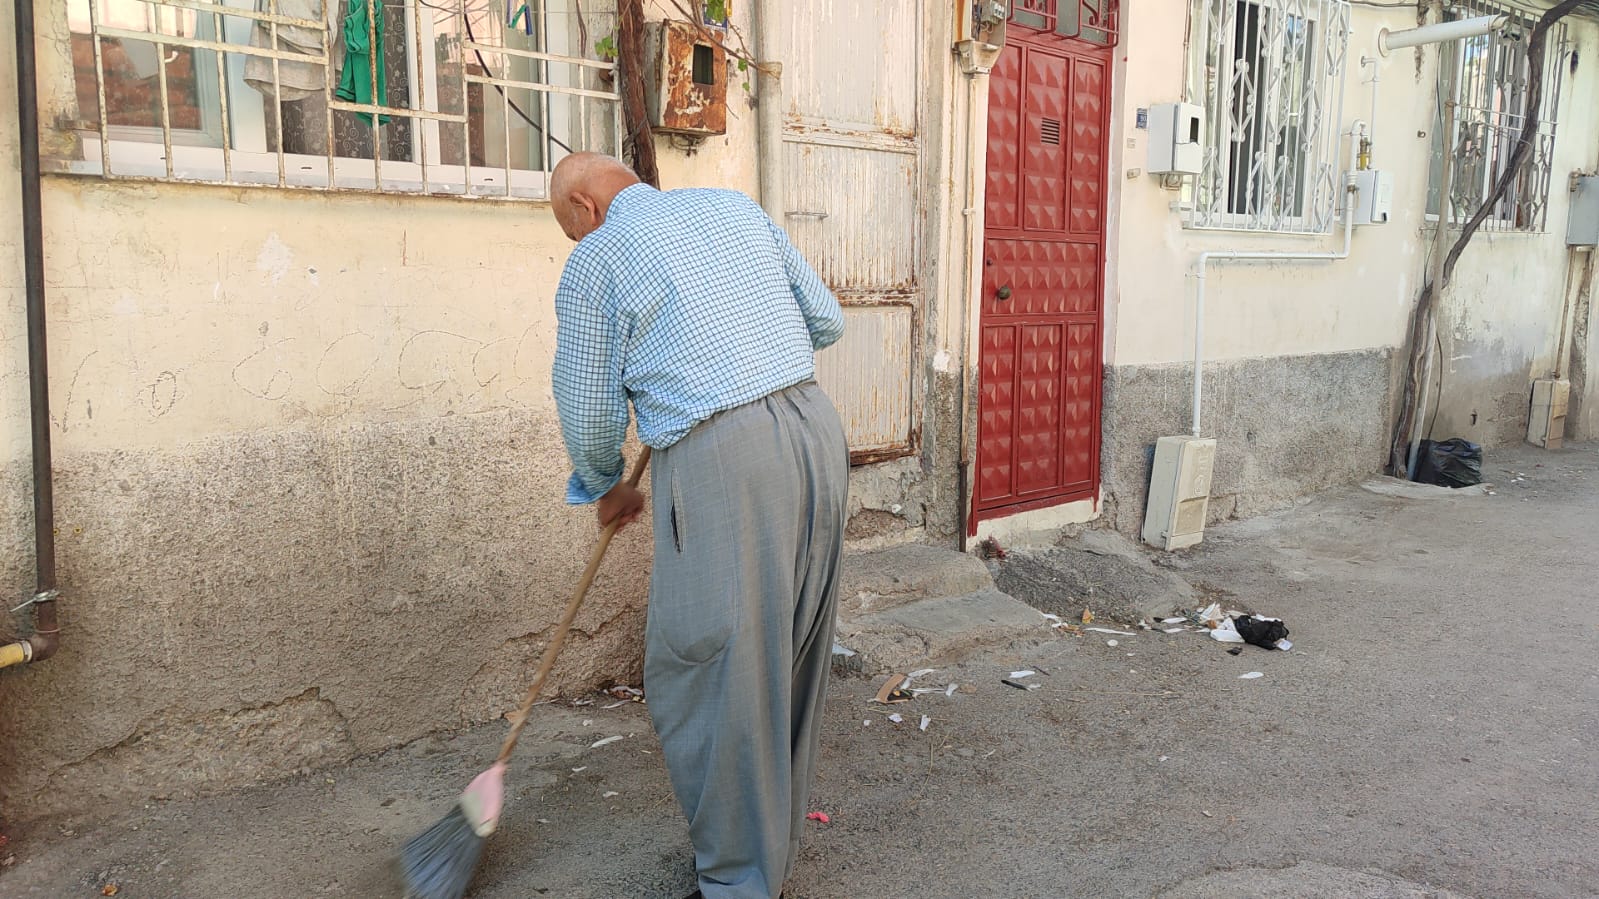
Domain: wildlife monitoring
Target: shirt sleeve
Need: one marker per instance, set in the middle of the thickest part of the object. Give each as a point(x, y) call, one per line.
point(589, 392)
point(823, 317)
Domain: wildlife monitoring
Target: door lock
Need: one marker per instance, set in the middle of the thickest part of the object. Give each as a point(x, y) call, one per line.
point(1004, 292)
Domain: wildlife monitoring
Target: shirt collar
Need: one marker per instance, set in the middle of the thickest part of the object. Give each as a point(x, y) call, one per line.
point(626, 197)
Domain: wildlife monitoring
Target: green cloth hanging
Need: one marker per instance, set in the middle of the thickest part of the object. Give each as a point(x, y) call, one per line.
point(355, 81)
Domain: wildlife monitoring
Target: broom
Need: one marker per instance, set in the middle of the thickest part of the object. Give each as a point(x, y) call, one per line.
point(438, 863)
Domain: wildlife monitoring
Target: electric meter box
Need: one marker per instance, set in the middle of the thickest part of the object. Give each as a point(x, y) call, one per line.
point(1582, 228)
point(1374, 197)
point(1179, 492)
point(687, 77)
point(1176, 139)
point(1546, 426)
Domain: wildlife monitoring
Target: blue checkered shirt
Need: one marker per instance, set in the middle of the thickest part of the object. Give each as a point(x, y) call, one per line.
point(685, 302)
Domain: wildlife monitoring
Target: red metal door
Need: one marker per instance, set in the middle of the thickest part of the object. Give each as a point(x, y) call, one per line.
point(1044, 261)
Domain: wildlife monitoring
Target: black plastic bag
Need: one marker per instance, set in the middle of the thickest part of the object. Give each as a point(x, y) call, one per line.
point(1449, 463)
point(1263, 632)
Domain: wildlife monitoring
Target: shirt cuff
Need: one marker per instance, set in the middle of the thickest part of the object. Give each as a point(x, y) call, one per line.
point(579, 495)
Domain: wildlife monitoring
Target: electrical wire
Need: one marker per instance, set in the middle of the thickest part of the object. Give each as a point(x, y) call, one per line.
point(501, 89)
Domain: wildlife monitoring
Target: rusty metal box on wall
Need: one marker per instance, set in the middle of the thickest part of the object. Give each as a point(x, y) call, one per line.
point(688, 80)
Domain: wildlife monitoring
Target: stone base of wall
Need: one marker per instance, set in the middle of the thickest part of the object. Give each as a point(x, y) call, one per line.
point(1285, 427)
point(236, 609)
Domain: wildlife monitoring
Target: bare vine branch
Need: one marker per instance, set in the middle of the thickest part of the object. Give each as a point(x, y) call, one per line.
point(1399, 449)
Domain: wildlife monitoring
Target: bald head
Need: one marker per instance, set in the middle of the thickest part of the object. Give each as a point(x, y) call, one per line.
point(582, 188)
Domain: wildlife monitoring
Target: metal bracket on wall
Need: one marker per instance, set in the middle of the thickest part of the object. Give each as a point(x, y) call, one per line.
point(46, 596)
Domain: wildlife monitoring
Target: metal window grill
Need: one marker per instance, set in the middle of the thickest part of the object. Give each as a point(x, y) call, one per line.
point(1487, 77)
point(461, 97)
point(1270, 74)
point(1094, 21)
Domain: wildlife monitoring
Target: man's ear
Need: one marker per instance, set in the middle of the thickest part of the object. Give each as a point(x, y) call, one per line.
point(585, 201)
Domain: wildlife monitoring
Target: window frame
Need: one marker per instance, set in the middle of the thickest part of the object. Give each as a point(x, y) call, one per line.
point(170, 154)
point(1213, 81)
point(1499, 127)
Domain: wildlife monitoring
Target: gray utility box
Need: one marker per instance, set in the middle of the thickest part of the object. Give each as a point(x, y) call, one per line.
point(1582, 228)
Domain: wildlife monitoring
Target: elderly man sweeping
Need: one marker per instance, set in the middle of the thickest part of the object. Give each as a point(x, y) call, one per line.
point(693, 305)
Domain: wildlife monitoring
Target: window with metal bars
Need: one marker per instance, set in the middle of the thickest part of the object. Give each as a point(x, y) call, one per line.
point(1270, 74)
point(1094, 21)
point(465, 97)
point(1487, 79)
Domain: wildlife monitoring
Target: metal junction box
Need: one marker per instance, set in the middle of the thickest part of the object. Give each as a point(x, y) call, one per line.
point(1374, 197)
point(688, 81)
point(1179, 492)
point(1546, 427)
point(1582, 228)
point(1176, 139)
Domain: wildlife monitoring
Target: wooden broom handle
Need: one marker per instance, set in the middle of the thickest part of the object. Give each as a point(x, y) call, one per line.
point(552, 651)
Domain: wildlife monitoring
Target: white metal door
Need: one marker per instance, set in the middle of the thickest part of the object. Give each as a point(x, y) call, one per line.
point(852, 170)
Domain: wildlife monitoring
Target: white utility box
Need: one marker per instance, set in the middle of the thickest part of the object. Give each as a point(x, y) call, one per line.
point(1582, 228)
point(1176, 139)
point(1374, 197)
point(1546, 427)
point(1179, 491)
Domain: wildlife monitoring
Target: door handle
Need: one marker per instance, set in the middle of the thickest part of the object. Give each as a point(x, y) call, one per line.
point(1004, 292)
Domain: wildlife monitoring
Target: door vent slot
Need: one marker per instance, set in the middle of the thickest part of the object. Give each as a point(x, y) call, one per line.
point(1049, 131)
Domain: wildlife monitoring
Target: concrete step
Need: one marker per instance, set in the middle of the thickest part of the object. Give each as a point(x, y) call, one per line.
point(930, 632)
point(882, 579)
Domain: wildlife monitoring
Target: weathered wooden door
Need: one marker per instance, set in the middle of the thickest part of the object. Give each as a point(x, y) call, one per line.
point(852, 152)
point(1043, 268)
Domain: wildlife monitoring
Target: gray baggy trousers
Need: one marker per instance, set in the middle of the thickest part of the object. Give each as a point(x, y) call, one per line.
point(749, 525)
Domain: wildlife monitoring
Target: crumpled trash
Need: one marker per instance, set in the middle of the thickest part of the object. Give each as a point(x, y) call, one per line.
point(893, 690)
point(819, 818)
point(1226, 632)
point(1268, 633)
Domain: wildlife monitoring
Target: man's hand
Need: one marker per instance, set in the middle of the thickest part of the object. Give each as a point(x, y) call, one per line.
point(623, 503)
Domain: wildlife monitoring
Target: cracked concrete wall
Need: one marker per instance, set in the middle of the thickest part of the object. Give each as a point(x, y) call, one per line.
point(309, 485)
point(1297, 393)
point(1284, 427)
point(1501, 322)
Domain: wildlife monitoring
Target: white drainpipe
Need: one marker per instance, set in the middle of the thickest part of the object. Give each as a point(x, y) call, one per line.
point(1388, 41)
point(769, 109)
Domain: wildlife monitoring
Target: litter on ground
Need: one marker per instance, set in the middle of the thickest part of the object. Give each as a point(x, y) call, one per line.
point(893, 690)
point(1267, 633)
point(925, 721)
point(1251, 675)
point(897, 718)
point(1020, 685)
point(1225, 632)
point(609, 794)
point(819, 818)
point(605, 742)
point(1018, 675)
point(1106, 630)
point(1112, 643)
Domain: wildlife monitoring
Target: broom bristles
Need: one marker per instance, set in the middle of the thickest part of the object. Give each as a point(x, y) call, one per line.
point(438, 863)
